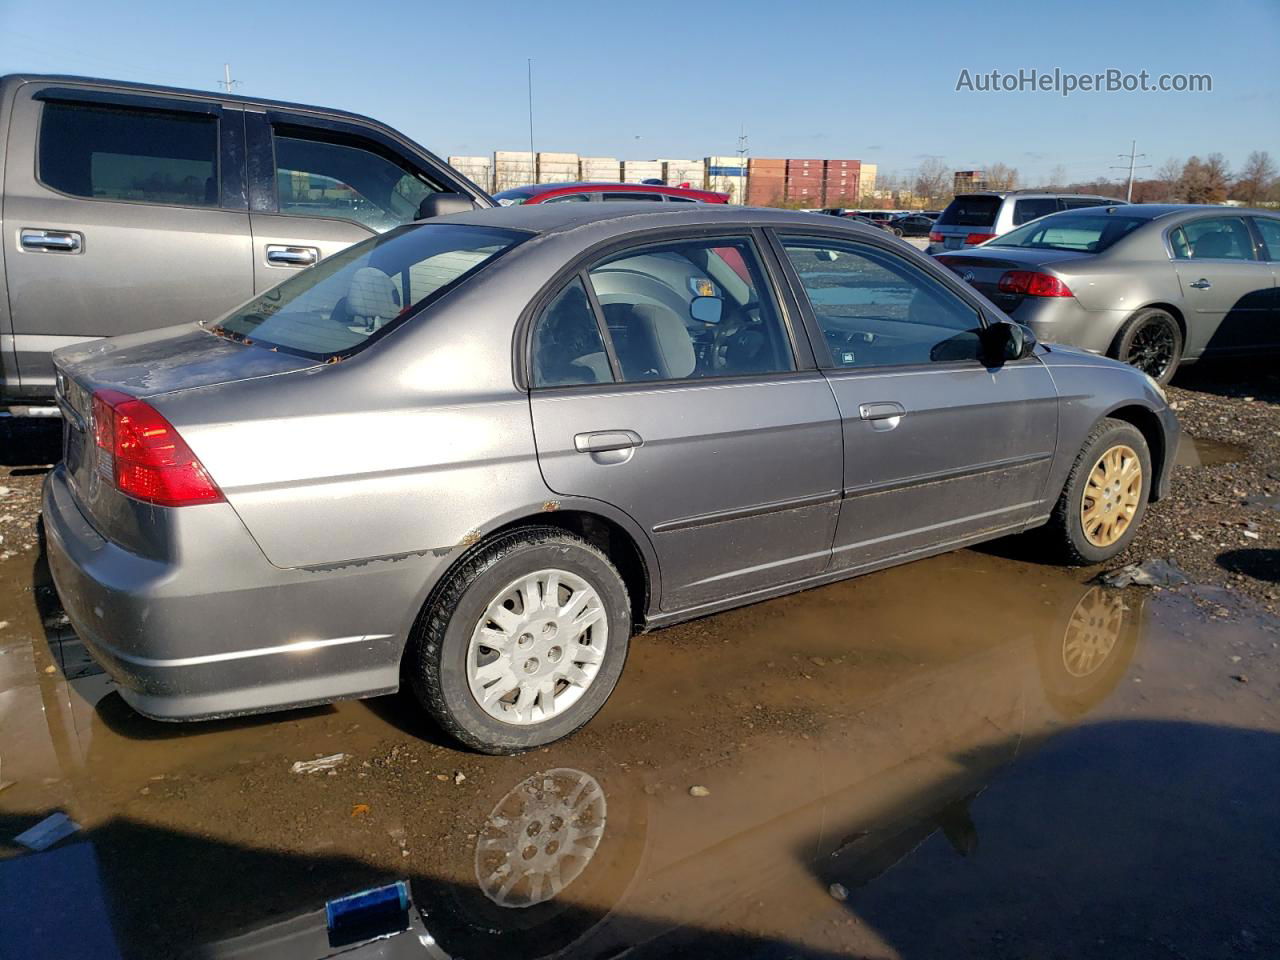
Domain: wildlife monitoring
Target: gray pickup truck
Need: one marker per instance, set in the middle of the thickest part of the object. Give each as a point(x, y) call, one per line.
point(126, 207)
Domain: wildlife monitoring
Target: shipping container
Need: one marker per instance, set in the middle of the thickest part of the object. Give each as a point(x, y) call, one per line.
point(867, 175)
point(512, 168)
point(557, 167)
point(766, 165)
point(676, 172)
point(479, 170)
point(635, 171)
point(600, 169)
point(546, 156)
point(763, 191)
point(843, 164)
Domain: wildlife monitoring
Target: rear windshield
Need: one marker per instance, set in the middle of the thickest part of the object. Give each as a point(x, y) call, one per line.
point(971, 211)
point(510, 198)
point(355, 296)
point(1088, 233)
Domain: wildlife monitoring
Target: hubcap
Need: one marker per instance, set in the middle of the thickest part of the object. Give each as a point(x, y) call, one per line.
point(540, 837)
point(1151, 350)
point(1111, 496)
point(538, 647)
point(1092, 632)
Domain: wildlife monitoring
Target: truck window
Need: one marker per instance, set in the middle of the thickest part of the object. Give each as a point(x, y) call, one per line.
point(115, 153)
point(316, 178)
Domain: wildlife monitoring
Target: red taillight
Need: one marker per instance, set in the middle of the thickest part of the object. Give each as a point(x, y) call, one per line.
point(148, 459)
point(975, 238)
point(1032, 284)
point(936, 236)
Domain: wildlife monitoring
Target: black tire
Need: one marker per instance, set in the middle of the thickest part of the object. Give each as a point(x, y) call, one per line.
point(436, 659)
point(1150, 340)
point(897, 231)
point(1066, 529)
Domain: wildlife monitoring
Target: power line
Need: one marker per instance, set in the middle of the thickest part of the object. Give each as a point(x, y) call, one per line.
point(226, 83)
point(1131, 156)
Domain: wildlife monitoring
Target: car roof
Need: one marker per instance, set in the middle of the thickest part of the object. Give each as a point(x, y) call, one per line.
point(1032, 194)
point(555, 218)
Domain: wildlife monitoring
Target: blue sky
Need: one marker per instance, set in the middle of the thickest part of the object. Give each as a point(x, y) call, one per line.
point(820, 79)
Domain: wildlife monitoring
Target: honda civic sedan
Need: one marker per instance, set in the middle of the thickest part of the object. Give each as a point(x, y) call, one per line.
point(475, 455)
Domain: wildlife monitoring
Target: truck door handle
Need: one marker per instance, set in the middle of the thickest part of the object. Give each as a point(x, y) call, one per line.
point(881, 411)
point(61, 241)
point(602, 441)
point(1201, 284)
point(291, 256)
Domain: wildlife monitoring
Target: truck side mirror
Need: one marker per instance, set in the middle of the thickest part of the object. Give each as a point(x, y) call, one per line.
point(443, 204)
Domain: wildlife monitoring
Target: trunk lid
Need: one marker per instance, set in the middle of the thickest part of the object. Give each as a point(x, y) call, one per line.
point(983, 268)
point(141, 365)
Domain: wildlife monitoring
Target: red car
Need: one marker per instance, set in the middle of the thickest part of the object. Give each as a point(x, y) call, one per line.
point(557, 192)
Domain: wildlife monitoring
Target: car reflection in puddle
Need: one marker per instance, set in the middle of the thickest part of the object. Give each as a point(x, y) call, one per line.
point(864, 738)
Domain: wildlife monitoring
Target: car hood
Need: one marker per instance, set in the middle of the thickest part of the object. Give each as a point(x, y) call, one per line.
point(169, 359)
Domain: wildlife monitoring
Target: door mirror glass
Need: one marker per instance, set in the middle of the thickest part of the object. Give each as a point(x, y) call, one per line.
point(706, 309)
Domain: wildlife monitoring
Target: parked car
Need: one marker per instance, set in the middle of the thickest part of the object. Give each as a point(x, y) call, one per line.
point(1151, 285)
point(580, 192)
point(133, 206)
point(477, 452)
point(880, 218)
point(910, 225)
point(974, 218)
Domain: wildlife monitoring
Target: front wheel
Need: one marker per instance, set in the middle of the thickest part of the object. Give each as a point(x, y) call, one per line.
point(1150, 340)
point(1105, 496)
point(523, 643)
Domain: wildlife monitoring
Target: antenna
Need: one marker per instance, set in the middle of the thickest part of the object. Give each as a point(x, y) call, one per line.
point(226, 83)
point(1131, 156)
point(533, 158)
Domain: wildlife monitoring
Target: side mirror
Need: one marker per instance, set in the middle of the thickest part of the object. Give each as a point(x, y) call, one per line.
point(443, 204)
point(706, 309)
point(1005, 341)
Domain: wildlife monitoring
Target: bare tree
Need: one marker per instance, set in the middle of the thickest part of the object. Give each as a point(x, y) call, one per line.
point(933, 181)
point(1169, 176)
point(1057, 178)
point(1256, 179)
point(1001, 176)
point(1205, 181)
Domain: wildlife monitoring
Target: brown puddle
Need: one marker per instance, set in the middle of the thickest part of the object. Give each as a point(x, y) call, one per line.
point(965, 756)
point(1197, 452)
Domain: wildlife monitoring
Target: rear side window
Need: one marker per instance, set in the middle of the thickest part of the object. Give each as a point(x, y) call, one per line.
point(1270, 230)
point(1024, 210)
point(567, 347)
point(971, 211)
point(1075, 203)
point(656, 197)
point(1216, 238)
point(355, 296)
point(315, 178)
point(144, 156)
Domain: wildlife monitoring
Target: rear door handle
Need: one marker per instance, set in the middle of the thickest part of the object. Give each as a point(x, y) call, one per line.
point(602, 441)
point(60, 241)
point(285, 256)
point(881, 411)
point(1201, 284)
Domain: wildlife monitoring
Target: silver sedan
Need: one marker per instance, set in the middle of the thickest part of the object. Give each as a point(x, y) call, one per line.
point(1152, 285)
point(474, 455)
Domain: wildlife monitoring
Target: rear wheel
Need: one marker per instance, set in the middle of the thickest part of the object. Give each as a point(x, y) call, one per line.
point(1105, 496)
point(523, 642)
point(1150, 340)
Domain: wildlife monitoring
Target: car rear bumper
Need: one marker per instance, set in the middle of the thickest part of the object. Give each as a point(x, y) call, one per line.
point(1064, 320)
point(222, 631)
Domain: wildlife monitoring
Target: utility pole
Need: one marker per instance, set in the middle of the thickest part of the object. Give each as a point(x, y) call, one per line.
point(226, 83)
point(743, 150)
point(533, 158)
point(1132, 156)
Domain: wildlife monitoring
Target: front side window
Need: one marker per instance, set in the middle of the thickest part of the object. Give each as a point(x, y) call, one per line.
point(1025, 210)
point(316, 178)
point(567, 347)
point(1270, 230)
point(1215, 238)
point(877, 310)
point(117, 153)
point(691, 309)
point(355, 296)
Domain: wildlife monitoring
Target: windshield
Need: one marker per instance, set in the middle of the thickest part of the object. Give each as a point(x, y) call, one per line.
point(971, 211)
point(355, 296)
point(1090, 233)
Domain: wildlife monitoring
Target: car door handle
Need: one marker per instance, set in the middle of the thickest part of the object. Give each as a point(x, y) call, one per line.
point(881, 411)
point(292, 256)
point(1201, 284)
point(602, 441)
point(62, 241)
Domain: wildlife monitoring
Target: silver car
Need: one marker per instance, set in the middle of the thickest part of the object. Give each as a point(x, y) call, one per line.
point(474, 455)
point(1151, 285)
